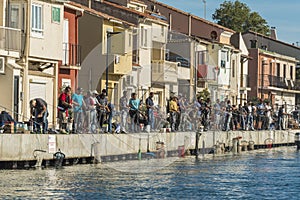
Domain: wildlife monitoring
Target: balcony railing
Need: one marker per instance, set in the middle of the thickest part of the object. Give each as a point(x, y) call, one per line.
point(10, 39)
point(71, 54)
point(297, 84)
point(280, 82)
point(164, 71)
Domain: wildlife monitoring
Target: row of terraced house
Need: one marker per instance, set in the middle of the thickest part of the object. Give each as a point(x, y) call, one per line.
point(134, 46)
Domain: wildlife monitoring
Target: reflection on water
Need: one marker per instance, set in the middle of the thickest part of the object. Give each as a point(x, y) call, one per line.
point(264, 174)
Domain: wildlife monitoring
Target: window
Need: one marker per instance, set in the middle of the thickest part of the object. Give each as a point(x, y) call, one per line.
point(37, 19)
point(223, 59)
point(2, 66)
point(270, 69)
point(143, 37)
point(14, 16)
point(291, 72)
point(284, 71)
point(278, 69)
point(233, 68)
point(56, 14)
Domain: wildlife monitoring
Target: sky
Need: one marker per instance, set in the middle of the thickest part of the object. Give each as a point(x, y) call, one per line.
point(282, 14)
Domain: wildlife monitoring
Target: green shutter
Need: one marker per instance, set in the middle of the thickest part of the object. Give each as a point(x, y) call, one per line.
point(55, 14)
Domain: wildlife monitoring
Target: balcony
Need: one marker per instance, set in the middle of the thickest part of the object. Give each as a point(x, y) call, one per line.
point(71, 55)
point(10, 41)
point(164, 71)
point(279, 82)
point(297, 84)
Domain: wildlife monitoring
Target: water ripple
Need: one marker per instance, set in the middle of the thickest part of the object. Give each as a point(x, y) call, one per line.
point(268, 174)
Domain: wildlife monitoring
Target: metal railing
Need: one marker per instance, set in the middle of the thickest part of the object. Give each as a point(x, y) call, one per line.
point(71, 54)
point(280, 82)
point(297, 84)
point(10, 39)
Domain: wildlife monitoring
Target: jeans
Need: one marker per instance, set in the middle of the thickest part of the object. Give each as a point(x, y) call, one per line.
point(173, 118)
point(250, 121)
point(134, 121)
point(77, 125)
point(101, 117)
point(124, 114)
point(227, 122)
point(242, 122)
point(109, 119)
point(93, 121)
point(150, 118)
point(41, 121)
point(280, 123)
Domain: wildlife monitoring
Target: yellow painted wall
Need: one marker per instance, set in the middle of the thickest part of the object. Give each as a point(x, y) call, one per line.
point(6, 86)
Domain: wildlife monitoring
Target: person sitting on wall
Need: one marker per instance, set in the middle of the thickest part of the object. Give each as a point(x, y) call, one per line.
point(5, 119)
point(39, 110)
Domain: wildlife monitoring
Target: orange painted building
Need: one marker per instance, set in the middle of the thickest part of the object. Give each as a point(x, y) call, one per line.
point(71, 58)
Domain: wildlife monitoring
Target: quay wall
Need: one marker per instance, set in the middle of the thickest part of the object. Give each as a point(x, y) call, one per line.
point(26, 147)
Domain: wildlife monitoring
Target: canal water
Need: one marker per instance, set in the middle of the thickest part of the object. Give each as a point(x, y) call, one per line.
point(261, 174)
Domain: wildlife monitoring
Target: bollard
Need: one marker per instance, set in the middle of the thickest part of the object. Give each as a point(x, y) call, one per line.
point(218, 148)
point(244, 147)
point(251, 145)
point(239, 148)
point(198, 134)
point(297, 140)
point(181, 151)
point(235, 145)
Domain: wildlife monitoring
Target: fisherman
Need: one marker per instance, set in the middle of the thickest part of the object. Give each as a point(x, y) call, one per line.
point(134, 105)
point(79, 104)
point(173, 113)
point(150, 111)
point(123, 103)
point(38, 108)
point(64, 104)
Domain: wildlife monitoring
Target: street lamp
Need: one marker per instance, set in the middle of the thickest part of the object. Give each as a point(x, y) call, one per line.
point(108, 43)
point(204, 2)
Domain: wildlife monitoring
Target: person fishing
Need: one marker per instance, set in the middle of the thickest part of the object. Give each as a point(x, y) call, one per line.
point(39, 110)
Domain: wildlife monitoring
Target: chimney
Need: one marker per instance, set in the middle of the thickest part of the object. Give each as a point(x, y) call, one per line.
point(273, 34)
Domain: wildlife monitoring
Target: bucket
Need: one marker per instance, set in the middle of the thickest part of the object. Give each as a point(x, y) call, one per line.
point(251, 145)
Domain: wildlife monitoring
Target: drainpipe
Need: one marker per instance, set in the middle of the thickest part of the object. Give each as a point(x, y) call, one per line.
point(7, 14)
point(26, 62)
point(170, 21)
point(190, 25)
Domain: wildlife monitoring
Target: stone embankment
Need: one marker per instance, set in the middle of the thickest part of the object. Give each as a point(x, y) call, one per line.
point(26, 150)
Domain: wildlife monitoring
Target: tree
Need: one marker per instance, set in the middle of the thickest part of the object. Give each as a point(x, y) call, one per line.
point(238, 17)
point(204, 94)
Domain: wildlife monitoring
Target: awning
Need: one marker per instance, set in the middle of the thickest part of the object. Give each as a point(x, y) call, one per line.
point(14, 65)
